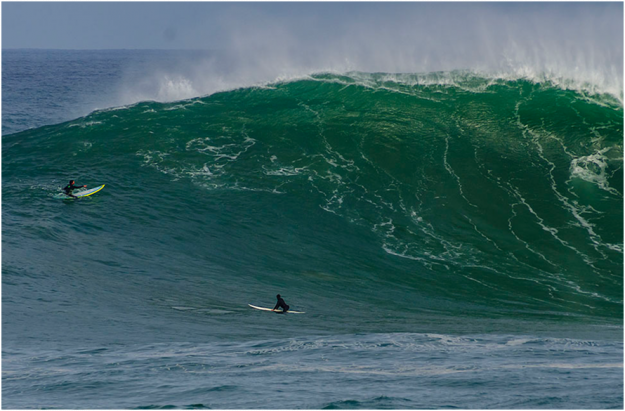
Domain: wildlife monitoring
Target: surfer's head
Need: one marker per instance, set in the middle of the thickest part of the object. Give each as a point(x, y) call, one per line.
point(278, 296)
point(71, 181)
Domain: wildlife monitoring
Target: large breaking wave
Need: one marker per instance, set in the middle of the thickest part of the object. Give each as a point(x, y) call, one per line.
point(455, 192)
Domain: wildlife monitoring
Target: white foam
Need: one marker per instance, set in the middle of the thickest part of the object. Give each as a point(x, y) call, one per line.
point(592, 168)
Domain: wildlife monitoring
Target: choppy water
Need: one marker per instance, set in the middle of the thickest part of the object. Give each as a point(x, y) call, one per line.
point(351, 371)
point(456, 240)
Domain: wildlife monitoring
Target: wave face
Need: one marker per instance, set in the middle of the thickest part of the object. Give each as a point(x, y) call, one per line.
point(440, 195)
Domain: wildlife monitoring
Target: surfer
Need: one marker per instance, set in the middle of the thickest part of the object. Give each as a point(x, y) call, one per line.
point(71, 187)
point(281, 304)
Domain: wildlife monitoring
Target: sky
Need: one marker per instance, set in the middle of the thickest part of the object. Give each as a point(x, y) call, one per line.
point(576, 40)
point(209, 25)
point(150, 25)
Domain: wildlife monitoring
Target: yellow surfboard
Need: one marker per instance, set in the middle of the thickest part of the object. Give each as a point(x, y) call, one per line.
point(79, 194)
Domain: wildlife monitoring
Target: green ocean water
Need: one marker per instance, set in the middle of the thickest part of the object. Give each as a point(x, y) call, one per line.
point(504, 195)
point(447, 203)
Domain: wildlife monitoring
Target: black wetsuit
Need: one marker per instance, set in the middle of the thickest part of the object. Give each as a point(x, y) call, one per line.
point(70, 188)
point(282, 305)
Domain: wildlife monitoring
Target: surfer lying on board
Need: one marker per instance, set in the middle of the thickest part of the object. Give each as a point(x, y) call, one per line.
point(281, 304)
point(71, 187)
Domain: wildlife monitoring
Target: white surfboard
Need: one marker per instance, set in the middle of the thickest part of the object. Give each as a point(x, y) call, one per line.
point(276, 311)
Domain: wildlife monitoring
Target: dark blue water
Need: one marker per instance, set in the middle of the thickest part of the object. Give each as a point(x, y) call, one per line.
point(50, 86)
point(455, 239)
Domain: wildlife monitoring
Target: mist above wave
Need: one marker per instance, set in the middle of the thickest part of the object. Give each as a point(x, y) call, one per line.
point(575, 46)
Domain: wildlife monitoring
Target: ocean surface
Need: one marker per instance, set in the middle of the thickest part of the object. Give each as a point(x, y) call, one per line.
point(455, 239)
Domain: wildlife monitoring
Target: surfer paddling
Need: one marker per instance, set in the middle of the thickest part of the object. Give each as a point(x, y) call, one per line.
point(71, 187)
point(281, 304)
